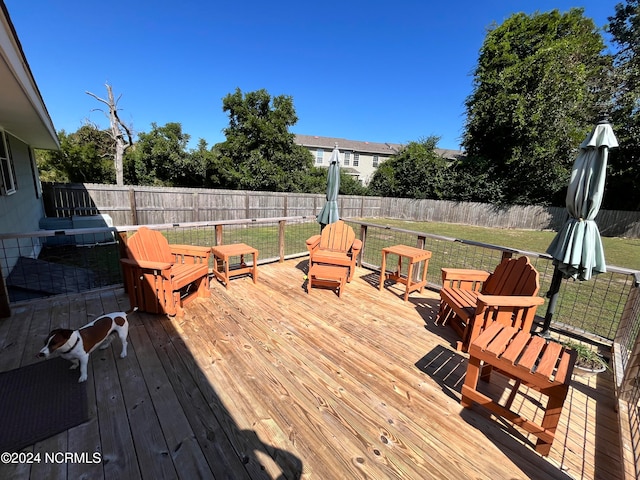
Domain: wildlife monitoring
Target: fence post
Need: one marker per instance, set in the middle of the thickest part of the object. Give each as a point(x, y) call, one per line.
point(122, 248)
point(281, 225)
point(133, 207)
point(218, 235)
point(363, 238)
point(196, 208)
point(417, 272)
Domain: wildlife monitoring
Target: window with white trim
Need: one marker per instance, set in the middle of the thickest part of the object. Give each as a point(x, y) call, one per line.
point(7, 170)
point(319, 155)
point(347, 158)
point(375, 161)
point(356, 159)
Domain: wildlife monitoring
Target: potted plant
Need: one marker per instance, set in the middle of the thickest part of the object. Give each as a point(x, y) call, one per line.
point(589, 361)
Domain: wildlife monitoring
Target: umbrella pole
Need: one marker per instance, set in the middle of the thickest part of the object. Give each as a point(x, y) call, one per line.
point(552, 295)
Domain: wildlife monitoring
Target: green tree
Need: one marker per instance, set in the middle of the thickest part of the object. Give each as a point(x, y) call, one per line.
point(539, 86)
point(85, 156)
point(259, 152)
point(473, 180)
point(315, 181)
point(203, 159)
point(160, 157)
point(417, 171)
point(349, 185)
point(623, 183)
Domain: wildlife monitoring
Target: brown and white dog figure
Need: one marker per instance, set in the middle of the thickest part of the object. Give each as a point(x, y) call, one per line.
point(76, 345)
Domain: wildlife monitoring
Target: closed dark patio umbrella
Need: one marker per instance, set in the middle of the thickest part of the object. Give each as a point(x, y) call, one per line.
point(329, 212)
point(577, 248)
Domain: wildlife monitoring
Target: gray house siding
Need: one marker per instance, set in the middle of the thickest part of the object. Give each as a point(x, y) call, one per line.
point(22, 210)
point(26, 123)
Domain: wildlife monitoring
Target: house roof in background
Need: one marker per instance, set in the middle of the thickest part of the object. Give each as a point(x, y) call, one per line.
point(22, 109)
point(329, 143)
point(387, 149)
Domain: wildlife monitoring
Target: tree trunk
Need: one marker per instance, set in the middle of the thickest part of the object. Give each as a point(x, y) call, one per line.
point(118, 131)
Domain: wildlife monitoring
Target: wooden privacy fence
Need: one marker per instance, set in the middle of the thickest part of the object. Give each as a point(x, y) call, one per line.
point(139, 205)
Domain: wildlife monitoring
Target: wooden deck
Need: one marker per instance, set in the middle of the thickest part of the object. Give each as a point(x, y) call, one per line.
point(265, 381)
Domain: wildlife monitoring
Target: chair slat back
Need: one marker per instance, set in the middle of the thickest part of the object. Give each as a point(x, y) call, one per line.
point(513, 277)
point(337, 237)
point(149, 245)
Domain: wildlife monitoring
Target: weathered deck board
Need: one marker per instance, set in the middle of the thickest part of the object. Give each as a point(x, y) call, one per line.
point(387, 352)
point(263, 381)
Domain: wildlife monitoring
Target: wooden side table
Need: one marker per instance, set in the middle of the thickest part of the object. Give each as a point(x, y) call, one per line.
point(221, 256)
point(414, 256)
point(327, 276)
point(543, 365)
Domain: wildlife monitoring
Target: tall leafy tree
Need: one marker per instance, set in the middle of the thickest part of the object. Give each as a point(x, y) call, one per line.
point(202, 159)
point(623, 184)
point(417, 171)
point(259, 152)
point(160, 157)
point(473, 180)
point(85, 156)
point(538, 89)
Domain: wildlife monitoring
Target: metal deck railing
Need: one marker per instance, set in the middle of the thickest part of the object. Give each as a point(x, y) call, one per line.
point(604, 311)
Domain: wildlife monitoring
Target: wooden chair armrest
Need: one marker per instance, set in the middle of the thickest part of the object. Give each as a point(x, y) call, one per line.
point(190, 250)
point(146, 265)
point(313, 243)
point(509, 301)
point(356, 247)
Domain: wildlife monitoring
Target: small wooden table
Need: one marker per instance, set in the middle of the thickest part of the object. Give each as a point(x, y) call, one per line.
point(327, 276)
point(415, 256)
point(221, 267)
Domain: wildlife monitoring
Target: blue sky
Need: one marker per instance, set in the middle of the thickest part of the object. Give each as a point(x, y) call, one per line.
point(379, 71)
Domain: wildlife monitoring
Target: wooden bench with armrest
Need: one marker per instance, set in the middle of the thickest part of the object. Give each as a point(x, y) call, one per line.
point(540, 364)
point(161, 278)
point(471, 300)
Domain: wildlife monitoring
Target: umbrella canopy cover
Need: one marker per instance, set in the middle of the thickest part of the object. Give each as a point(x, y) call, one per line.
point(329, 212)
point(577, 248)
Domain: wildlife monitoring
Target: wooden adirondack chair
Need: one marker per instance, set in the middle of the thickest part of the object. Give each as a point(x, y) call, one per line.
point(471, 300)
point(336, 245)
point(161, 278)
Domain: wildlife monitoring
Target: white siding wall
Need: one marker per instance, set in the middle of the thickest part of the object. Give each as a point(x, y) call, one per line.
point(365, 166)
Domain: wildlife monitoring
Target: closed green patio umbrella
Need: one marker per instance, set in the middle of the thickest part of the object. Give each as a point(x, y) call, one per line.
point(329, 212)
point(577, 248)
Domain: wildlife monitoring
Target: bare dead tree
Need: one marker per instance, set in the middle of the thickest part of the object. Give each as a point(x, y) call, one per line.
point(119, 132)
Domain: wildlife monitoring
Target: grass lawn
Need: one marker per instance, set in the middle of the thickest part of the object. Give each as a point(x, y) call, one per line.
point(621, 252)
